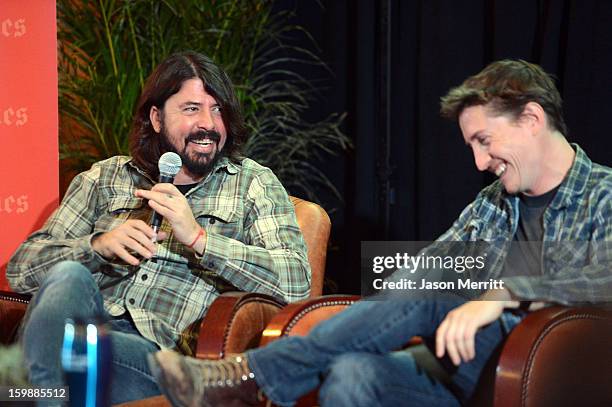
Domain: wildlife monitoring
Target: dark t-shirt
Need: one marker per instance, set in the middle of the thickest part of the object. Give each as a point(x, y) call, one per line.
point(185, 188)
point(524, 257)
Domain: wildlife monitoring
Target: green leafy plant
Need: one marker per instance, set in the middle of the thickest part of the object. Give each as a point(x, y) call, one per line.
point(108, 47)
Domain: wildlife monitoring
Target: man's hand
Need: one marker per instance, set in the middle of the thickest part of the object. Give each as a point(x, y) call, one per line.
point(168, 201)
point(457, 332)
point(133, 236)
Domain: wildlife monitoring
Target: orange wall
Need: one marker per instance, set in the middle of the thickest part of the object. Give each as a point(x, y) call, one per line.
point(28, 121)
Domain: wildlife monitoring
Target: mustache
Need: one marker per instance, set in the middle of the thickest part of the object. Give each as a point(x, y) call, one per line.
point(203, 134)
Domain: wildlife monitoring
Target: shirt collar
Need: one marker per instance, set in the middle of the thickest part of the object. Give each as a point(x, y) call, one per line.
point(575, 181)
point(573, 184)
point(223, 164)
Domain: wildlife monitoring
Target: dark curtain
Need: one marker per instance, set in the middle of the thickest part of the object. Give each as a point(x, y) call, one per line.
point(410, 173)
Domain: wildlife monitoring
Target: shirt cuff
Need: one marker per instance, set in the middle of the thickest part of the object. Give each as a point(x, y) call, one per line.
point(88, 257)
point(216, 249)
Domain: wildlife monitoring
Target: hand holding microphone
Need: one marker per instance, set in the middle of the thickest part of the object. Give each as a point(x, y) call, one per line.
point(169, 203)
point(134, 237)
point(169, 165)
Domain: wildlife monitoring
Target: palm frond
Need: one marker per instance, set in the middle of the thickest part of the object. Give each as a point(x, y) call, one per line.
point(108, 47)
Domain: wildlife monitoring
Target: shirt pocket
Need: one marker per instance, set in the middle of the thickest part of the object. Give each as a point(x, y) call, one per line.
point(124, 204)
point(119, 210)
point(222, 219)
point(479, 230)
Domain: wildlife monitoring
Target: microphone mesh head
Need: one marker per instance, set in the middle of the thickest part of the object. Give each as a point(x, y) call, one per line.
point(169, 164)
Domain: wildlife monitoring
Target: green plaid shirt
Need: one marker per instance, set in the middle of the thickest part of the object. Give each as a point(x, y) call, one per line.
point(576, 249)
point(253, 244)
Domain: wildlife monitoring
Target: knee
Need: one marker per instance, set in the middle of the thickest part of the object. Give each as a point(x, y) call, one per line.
point(70, 273)
point(351, 380)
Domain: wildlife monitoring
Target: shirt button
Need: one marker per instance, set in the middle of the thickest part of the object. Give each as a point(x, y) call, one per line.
point(131, 301)
point(211, 264)
point(144, 277)
point(212, 221)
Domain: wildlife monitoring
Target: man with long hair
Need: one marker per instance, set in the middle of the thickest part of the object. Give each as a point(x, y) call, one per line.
point(229, 224)
point(548, 192)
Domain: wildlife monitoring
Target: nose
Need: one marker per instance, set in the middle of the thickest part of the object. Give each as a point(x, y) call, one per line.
point(481, 158)
point(205, 120)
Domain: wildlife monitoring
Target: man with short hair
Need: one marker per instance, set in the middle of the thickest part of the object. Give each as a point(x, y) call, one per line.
point(228, 224)
point(548, 191)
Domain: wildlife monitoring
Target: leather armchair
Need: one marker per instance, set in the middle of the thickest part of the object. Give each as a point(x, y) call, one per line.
point(556, 356)
point(235, 320)
point(12, 310)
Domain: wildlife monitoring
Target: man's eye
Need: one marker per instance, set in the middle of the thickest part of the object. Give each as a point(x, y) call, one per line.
point(216, 109)
point(484, 141)
point(191, 109)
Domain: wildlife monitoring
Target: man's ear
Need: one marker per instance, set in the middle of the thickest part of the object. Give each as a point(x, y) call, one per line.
point(534, 116)
point(155, 117)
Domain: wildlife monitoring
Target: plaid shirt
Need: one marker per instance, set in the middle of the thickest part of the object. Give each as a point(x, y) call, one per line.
point(253, 244)
point(576, 249)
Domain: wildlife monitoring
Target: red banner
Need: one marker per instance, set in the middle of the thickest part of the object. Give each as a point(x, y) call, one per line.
point(28, 121)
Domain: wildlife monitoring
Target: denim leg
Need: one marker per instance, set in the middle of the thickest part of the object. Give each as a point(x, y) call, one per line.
point(68, 291)
point(290, 367)
point(131, 377)
point(369, 380)
point(464, 377)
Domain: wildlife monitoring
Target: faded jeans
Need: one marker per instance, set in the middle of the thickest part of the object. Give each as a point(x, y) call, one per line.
point(351, 356)
point(70, 291)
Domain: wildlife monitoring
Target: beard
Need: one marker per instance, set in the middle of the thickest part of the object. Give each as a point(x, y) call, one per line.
point(197, 164)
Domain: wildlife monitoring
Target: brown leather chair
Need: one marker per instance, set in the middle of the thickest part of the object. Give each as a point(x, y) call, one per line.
point(235, 320)
point(557, 356)
point(12, 310)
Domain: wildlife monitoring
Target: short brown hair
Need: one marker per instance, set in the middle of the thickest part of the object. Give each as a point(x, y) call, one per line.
point(506, 87)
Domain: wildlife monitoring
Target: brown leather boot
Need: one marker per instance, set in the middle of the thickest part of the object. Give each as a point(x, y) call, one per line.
point(187, 381)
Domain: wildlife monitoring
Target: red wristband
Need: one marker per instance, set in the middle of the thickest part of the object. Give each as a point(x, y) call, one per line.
point(200, 233)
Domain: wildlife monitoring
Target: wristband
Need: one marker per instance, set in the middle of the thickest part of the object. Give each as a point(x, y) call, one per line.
point(200, 233)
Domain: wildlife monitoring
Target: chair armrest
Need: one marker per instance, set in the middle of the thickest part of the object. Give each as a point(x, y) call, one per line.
point(234, 323)
point(556, 357)
point(157, 401)
point(316, 227)
point(12, 310)
point(298, 318)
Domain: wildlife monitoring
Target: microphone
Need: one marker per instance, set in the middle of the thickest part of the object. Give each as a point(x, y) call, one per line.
point(169, 165)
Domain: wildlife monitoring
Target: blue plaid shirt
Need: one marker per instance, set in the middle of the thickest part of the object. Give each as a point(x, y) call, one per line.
point(576, 249)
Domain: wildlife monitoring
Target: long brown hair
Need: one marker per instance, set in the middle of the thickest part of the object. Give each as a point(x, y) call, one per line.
point(165, 81)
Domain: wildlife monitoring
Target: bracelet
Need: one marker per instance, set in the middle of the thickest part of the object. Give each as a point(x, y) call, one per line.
point(200, 233)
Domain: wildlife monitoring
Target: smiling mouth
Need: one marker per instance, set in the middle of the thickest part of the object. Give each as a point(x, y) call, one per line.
point(205, 142)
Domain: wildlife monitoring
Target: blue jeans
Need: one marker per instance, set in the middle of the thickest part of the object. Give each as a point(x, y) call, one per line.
point(70, 291)
point(351, 356)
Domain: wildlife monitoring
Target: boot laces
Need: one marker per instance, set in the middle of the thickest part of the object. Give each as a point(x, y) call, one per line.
point(227, 372)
